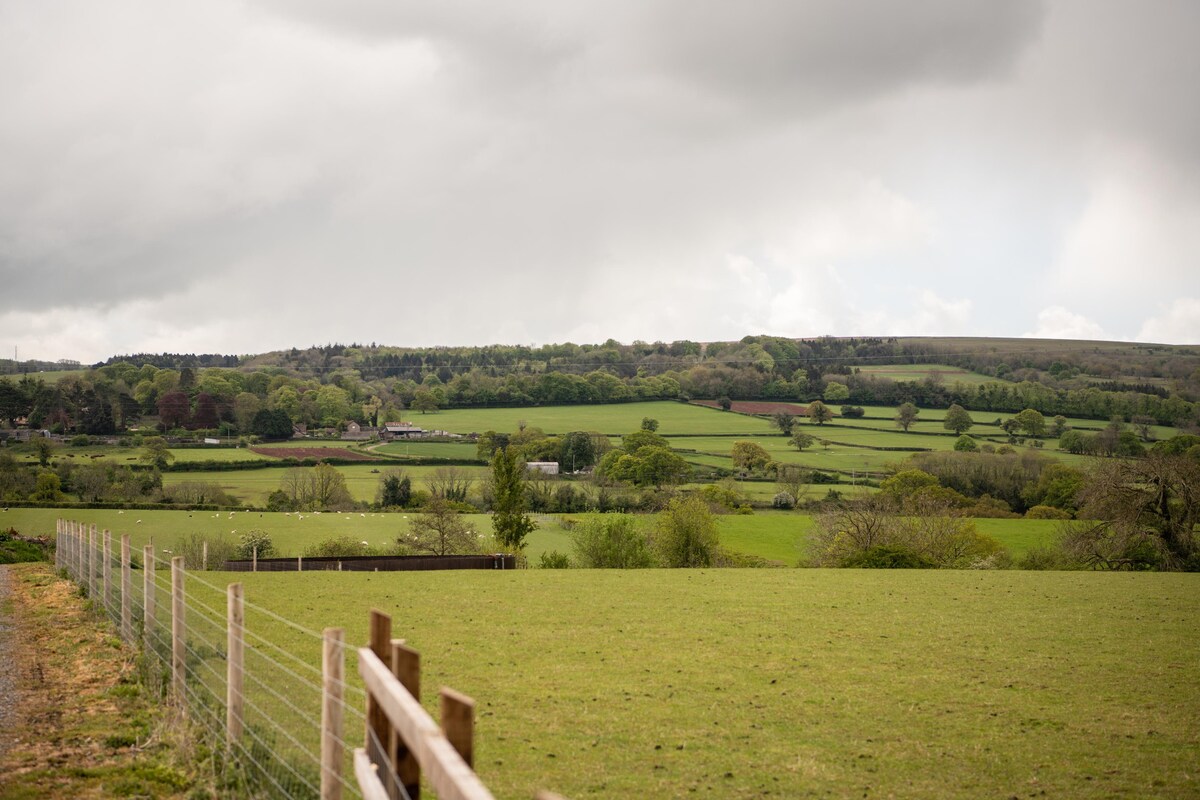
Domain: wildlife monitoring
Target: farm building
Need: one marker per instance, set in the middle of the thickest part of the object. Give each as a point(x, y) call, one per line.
point(546, 467)
point(354, 431)
point(394, 430)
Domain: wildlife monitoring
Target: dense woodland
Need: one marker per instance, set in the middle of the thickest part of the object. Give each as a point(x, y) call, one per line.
point(329, 385)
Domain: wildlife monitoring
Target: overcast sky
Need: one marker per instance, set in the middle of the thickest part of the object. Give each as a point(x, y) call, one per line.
point(238, 177)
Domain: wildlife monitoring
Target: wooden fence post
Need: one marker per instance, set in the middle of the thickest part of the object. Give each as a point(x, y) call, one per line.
point(58, 536)
point(299, 563)
point(254, 561)
point(91, 562)
point(106, 570)
point(406, 666)
point(126, 591)
point(178, 633)
point(378, 726)
point(235, 662)
point(334, 672)
point(148, 599)
point(204, 555)
point(458, 723)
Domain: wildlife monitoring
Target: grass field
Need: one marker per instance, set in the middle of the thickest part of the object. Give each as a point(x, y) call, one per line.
point(789, 683)
point(457, 451)
point(918, 372)
point(251, 486)
point(613, 420)
point(774, 535)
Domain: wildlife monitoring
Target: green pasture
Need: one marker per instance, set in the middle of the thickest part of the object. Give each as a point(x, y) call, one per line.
point(614, 420)
point(457, 451)
point(917, 372)
point(788, 683)
point(252, 486)
point(774, 535)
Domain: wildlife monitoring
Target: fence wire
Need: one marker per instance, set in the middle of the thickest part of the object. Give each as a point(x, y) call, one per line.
point(279, 751)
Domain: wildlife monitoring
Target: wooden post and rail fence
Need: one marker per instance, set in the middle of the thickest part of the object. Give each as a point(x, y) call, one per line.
point(401, 743)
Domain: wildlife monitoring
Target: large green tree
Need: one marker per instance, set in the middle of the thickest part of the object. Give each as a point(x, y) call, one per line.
point(509, 521)
point(906, 415)
point(957, 419)
point(819, 413)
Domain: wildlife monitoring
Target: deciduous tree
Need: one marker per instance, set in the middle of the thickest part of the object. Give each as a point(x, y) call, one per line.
point(441, 530)
point(906, 415)
point(819, 413)
point(784, 422)
point(510, 523)
point(957, 420)
point(750, 456)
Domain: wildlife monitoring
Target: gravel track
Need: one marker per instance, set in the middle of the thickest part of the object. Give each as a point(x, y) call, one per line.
point(8, 666)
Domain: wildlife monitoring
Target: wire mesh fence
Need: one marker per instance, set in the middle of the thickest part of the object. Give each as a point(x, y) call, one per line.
point(262, 720)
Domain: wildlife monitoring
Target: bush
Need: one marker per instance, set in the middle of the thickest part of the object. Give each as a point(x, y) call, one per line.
point(965, 444)
point(853, 412)
point(1047, 512)
point(343, 546)
point(554, 560)
point(255, 541)
point(888, 557)
point(14, 549)
point(611, 542)
point(686, 534)
point(221, 548)
point(783, 500)
point(1049, 558)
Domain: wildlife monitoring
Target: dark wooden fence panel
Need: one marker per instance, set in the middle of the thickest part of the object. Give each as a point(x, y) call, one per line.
point(374, 563)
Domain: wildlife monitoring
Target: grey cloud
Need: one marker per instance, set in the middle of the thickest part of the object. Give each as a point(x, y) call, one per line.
point(807, 55)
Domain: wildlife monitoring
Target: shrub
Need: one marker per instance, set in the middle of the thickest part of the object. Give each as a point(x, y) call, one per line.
point(1045, 557)
point(611, 542)
point(256, 541)
point(14, 549)
point(888, 557)
point(853, 412)
point(221, 548)
point(965, 444)
point(783, 500)
point(554, 560)
point(724, 496)
point(1047, 512)
point(344, 546)
point(686, 534)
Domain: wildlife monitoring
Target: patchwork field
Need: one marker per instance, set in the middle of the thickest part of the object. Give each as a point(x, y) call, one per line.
point(788, 683)
point(613, 420)
point(774, 535)
point(919, 372)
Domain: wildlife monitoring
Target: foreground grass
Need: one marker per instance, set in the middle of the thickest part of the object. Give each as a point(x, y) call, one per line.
point(795, 683)
point(83, 725)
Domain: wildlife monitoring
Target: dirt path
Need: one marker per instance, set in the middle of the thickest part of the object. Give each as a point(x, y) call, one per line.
point(78, 722)
point(8, 665)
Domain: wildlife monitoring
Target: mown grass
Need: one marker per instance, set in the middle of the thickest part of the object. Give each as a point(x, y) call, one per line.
point(794, 683)
point(774, 535)
point(457, 451)
point(252, 486)
point(917, 372)
point(613, 420)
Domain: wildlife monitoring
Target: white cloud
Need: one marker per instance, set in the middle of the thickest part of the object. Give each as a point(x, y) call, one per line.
point(1057, 322)
point(1137, 235)
point(1178, 324)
